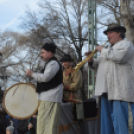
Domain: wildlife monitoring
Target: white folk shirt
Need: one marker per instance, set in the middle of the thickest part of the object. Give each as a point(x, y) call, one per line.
point(52, 95)
point(115, 71)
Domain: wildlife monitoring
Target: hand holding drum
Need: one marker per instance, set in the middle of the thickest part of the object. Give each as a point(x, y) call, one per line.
point(29, 72)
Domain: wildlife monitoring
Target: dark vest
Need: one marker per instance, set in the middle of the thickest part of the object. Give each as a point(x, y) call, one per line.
point(54, 82)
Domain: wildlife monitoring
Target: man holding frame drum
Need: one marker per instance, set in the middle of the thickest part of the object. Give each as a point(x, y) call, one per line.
point(49, 89)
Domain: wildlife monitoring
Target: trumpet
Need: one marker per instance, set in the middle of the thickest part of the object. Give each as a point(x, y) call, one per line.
point(80, 64)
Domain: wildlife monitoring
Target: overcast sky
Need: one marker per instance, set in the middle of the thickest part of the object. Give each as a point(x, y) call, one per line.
point(11, 12)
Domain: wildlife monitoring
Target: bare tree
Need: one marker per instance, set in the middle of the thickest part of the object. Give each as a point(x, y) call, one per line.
point(62, 21)
point(120, 11)
point(17, 55)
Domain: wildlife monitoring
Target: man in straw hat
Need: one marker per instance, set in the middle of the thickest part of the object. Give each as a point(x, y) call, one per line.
point(115, 82)
point(72, 81)
point(49, 89)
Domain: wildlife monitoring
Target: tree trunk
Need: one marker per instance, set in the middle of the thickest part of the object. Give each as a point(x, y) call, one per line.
point(125, 16)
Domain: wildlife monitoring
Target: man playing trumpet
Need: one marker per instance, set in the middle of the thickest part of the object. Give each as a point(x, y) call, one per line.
point(115, 82)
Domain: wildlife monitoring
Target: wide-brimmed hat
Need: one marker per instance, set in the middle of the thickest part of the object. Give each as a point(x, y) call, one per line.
point(66, 57)
point(115, 26)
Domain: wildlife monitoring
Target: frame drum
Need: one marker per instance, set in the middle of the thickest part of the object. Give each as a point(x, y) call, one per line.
point(20, 101)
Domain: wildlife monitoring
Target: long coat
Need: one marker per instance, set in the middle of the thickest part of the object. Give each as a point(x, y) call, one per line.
point(115, 71)
point(73, 80)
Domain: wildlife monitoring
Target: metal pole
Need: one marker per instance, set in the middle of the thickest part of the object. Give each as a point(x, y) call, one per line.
point(91, 41)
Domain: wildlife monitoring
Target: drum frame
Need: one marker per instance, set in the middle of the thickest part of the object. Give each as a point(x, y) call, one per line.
point(16, 117)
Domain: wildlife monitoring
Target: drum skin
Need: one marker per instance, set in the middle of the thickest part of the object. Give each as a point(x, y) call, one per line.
point(20, 100)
